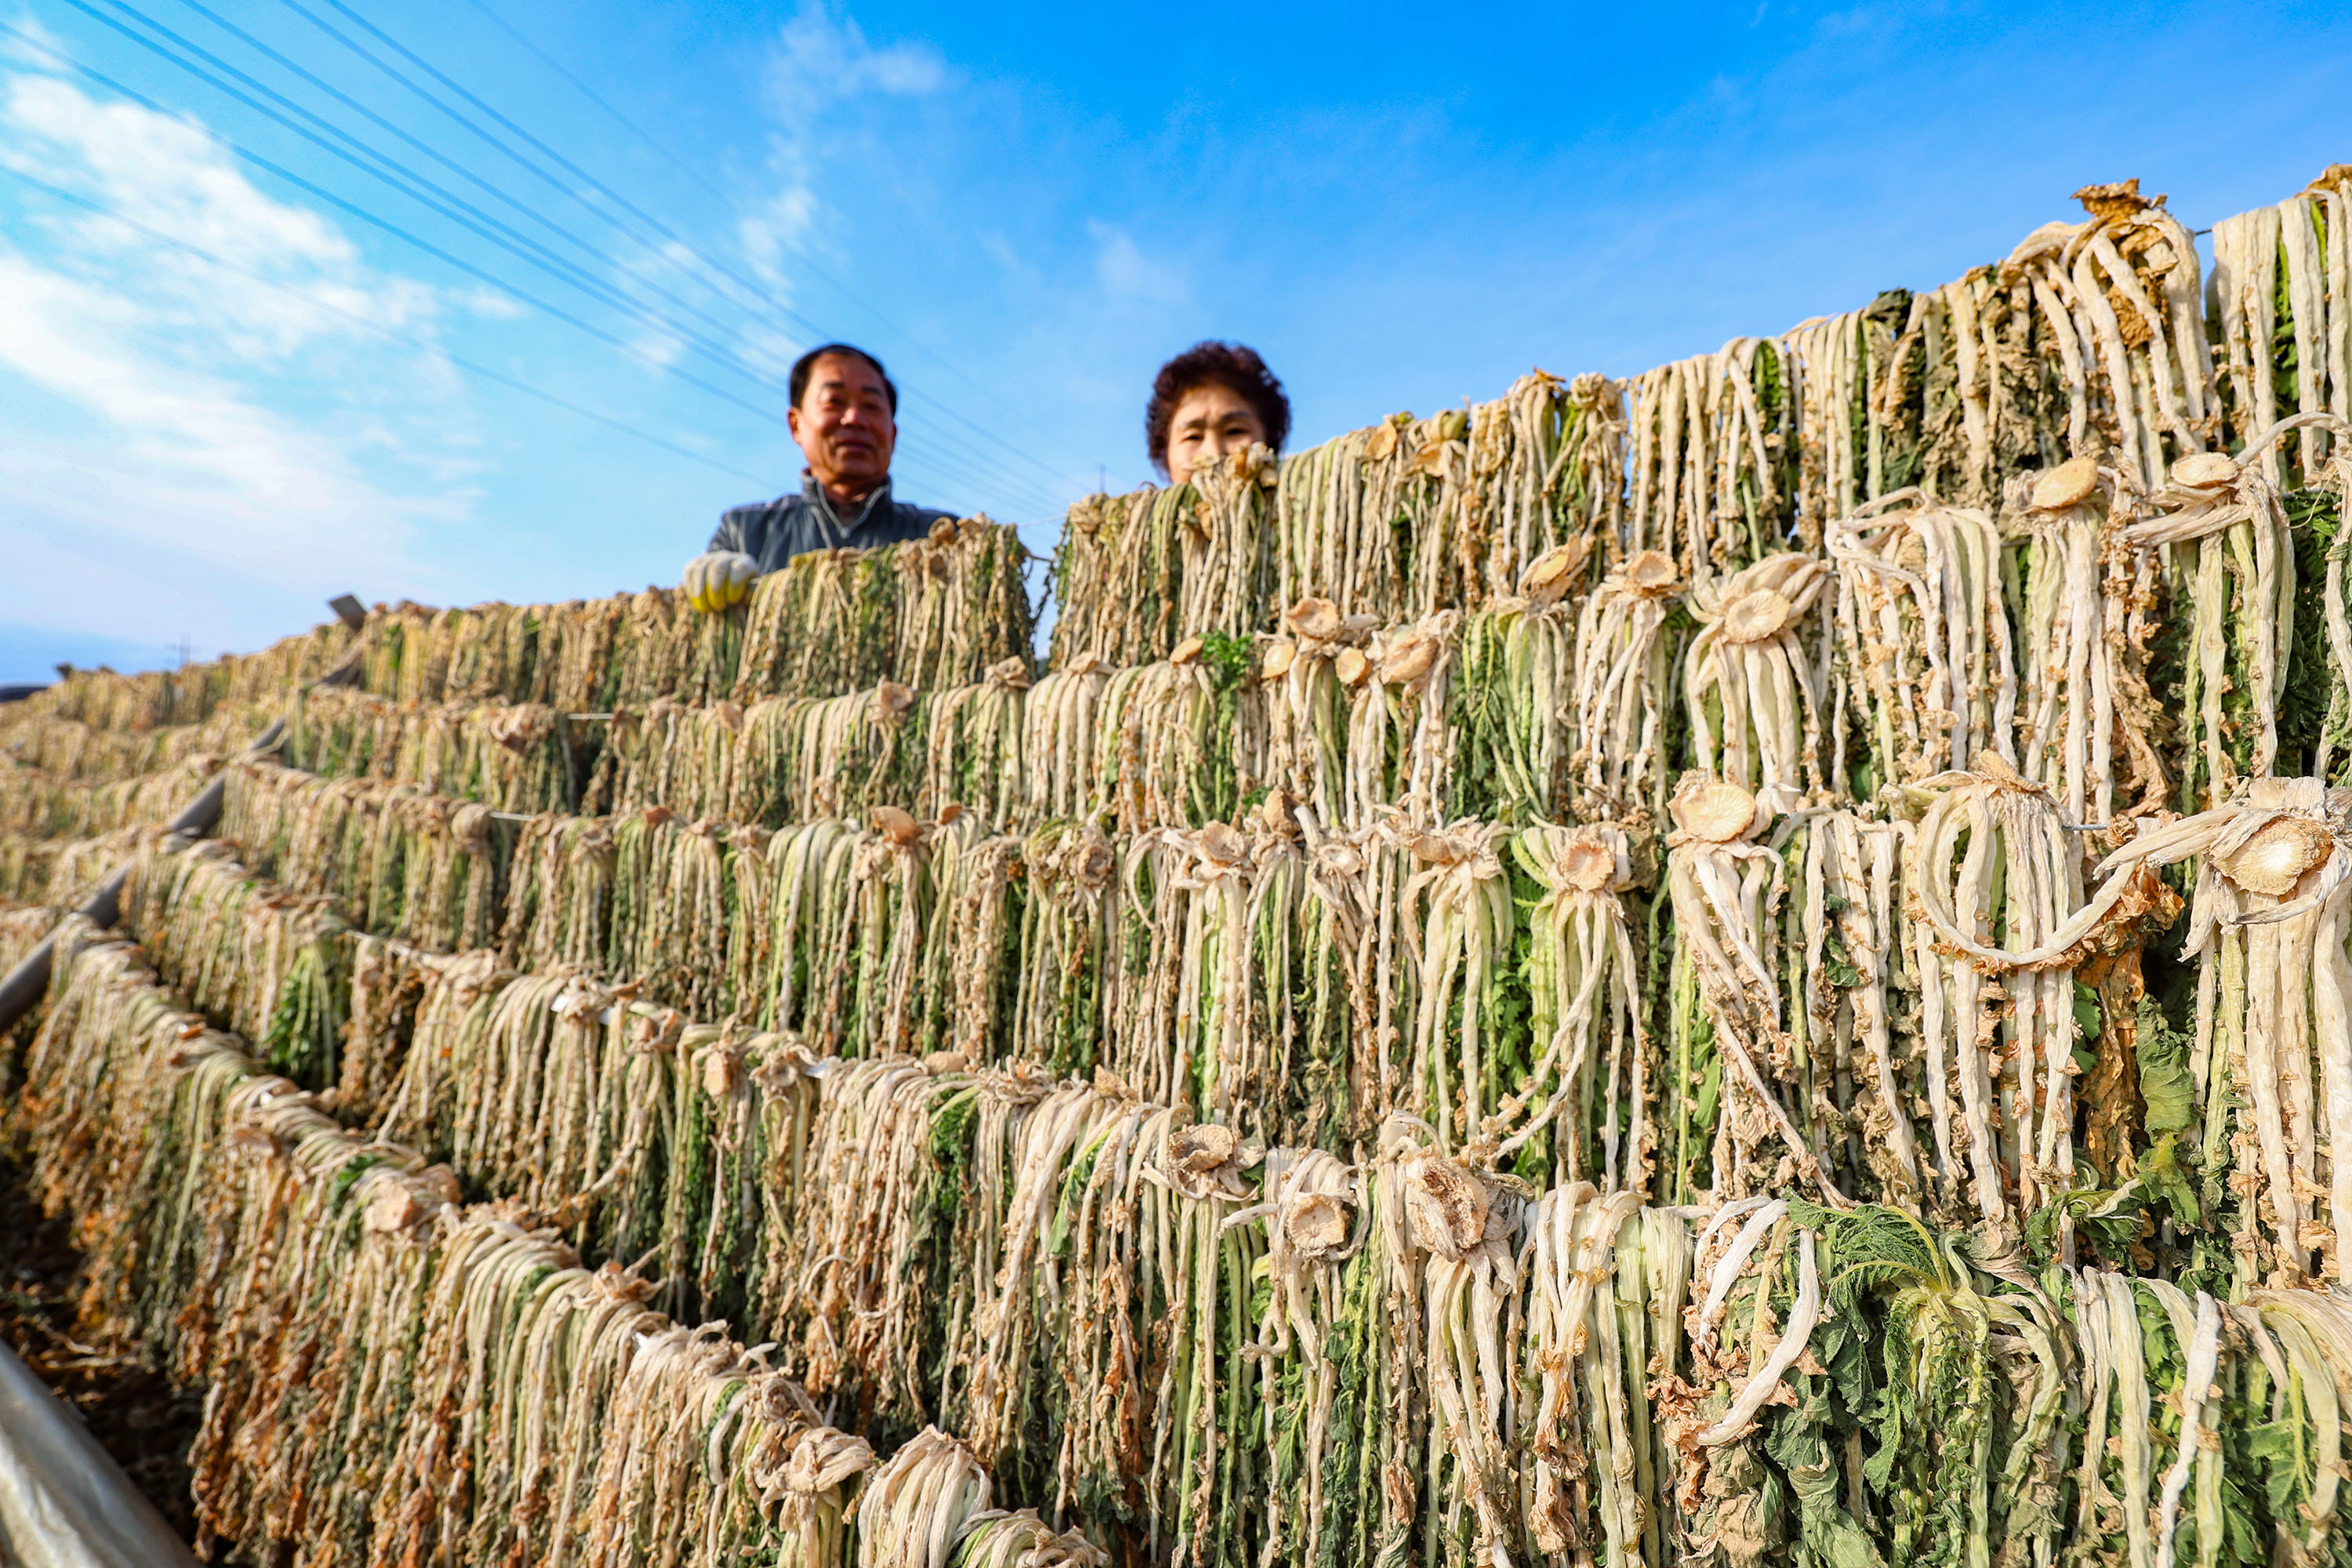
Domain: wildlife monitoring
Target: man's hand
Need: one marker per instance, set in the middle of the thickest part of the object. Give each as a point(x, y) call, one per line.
point(718, 580)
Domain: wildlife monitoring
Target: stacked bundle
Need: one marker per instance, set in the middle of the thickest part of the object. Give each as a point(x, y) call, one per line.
point(1743, 967)
point(35, 805)
point(935, 612)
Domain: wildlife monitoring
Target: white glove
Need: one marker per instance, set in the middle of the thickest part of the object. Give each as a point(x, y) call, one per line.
point(718, 580)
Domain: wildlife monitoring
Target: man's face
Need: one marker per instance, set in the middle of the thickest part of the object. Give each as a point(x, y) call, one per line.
point(1210, 422)
point(844, 425)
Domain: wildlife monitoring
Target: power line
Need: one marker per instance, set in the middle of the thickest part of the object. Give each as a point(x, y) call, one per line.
point(385, 224)
point(116, 216)
point(516, 244)
point(655, 224)
point(691, 172)
point(590, 93)
point(588, 285)
point(399, 176)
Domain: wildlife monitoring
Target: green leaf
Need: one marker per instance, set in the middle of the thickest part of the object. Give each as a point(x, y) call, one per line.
point(2163, 1081)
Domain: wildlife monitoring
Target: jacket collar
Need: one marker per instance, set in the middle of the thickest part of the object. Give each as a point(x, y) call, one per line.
point(814, 494)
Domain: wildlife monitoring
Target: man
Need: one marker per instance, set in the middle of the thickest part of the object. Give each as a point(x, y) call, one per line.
point(1209, 401)
point(844, 416)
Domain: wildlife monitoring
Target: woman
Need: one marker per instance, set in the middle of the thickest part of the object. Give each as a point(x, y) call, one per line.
point(1212, 399)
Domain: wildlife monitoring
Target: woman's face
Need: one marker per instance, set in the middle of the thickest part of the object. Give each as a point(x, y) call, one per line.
point(1210, 422)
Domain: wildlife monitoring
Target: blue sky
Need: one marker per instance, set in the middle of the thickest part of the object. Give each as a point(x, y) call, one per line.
point(229, 390)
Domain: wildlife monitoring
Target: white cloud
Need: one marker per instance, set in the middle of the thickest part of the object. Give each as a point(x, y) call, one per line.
point(820, 60)
point(186, 443)
point(780, 223)
point(38, 46)
point(169, 177)
point(1127, 274)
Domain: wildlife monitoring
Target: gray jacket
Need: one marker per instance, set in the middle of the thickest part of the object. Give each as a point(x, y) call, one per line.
point(773, 532)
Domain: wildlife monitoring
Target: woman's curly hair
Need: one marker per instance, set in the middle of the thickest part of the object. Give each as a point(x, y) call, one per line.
point(1214, 363)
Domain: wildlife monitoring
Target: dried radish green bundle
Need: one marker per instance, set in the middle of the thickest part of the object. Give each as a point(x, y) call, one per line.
point(1974, 387)
point(2119, 297)
point(390, 983)
point(1456, 1254)
point(1061, 718)
point(2265, 1092)
point(1401, 742)
point(2079, 673)
point(681, 756)
point(514, 757)
point(91, 1092)
point(532, 1093)
point(666, 649)
point(857, 1292)
point(1627, 652)
point(913, 1507)
point(896, 1003)
point(1118, 576)
point(272, 965)
point(709, 1448)
point(1608, 1280)
point(1841, 365)
point(2217, 551)
point(1911, 1396)
point(24, 869)
point(1080, 1224)
point(1588, 1098)
point(810, 901)
point(1443, 716)
point(338, 733)
point(1190, 1033)
point(560, 893)
point(1508, 699)
point(579, 643)
point(1231, 988)
point(23, 927)
point(853, 958)
point(63, 872)
point(1368, 520)
point(1855, 1024)
point(1547, 473)
point(1753, 678)
point(1465, 1051)
point(1315, 1224)
point(2283, 297)
point(1167, 751)
point(1298, 712)
point(1226, 547)
point(933, 613)
point(994, 1538)
point(398, 861)
point(1710, 476)
point(674, 894)
point(731, 1178)
point(1735, 1064)
point(408, 652)
point(1990, 864)
point(976, 760)
point(40, 808)
point(1061, 959)
point(1928, 679)
point(71, 750)
point(2001, 921)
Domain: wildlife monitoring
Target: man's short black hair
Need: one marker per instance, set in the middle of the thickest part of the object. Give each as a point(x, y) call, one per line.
point(1213, 364)
point(807, 363)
